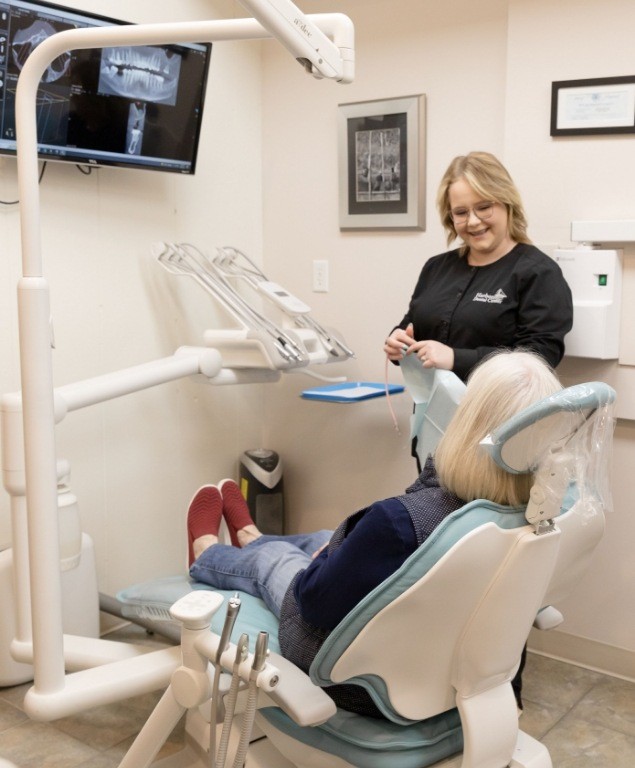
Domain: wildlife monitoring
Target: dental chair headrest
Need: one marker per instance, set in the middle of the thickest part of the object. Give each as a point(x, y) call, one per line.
point(521, 443)
point(564, 440)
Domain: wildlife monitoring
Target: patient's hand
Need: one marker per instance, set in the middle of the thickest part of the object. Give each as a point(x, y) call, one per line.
point(317, 551)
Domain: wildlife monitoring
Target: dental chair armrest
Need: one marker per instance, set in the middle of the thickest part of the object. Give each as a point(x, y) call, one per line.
point(301, 699)
point(548, 618)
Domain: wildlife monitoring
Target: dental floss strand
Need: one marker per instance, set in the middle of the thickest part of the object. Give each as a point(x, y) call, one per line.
point(404, 350)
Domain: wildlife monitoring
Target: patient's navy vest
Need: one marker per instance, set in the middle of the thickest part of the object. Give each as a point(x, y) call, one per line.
point(427, 504)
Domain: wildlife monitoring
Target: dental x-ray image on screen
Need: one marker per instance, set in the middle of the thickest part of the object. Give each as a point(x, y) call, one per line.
point(135, 106)
point(145, 73)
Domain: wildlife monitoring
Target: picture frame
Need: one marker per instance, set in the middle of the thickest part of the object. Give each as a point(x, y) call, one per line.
point(381, 148)
point(604, 105)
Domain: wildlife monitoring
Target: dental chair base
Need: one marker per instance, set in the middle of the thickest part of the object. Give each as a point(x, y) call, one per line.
point(528, 753)
point(269, 744)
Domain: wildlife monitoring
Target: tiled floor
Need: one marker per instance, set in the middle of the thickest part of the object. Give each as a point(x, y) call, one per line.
point(587, 720)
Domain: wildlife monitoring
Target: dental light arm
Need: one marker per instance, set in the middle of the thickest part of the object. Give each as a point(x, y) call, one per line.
point(304, 40)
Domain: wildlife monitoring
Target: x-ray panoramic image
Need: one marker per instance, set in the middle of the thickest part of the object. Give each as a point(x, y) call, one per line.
point(26, 40)
point(142, 73)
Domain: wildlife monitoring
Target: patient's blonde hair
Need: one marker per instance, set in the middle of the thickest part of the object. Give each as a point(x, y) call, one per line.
point(500, 387)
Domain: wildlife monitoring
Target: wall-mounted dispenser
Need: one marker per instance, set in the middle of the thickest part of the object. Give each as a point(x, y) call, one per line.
point(595, 279)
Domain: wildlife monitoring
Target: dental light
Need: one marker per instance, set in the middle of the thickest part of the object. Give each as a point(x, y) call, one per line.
point(310, 46)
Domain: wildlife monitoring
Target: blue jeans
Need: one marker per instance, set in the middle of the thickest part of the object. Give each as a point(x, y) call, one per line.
point(264, 568)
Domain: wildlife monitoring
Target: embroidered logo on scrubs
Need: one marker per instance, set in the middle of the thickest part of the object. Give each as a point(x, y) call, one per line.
point(489, 298)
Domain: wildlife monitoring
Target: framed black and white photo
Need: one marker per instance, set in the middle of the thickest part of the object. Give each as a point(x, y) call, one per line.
point(382, 164)
point(598, 106)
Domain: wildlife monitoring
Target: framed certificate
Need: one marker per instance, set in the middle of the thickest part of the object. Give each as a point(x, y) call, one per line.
point(598, 106)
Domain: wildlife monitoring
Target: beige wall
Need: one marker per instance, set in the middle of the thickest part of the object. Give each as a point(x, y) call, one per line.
point(486, 70)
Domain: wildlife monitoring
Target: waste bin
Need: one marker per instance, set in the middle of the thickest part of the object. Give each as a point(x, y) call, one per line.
point(261, 484)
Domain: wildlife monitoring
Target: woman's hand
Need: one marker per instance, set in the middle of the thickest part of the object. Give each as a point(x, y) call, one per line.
point(433, 354)
point(398, 343)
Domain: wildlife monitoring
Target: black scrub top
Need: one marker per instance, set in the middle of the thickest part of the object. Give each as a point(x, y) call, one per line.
point(521, 300)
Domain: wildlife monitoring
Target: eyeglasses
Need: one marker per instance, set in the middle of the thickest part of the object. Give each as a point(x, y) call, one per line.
point(482, 211)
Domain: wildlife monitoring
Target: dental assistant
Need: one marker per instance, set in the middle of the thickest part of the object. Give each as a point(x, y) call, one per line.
point(496, 290)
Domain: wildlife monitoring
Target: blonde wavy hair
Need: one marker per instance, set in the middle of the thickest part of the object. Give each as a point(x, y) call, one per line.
point(489, 178)
point(501, 386)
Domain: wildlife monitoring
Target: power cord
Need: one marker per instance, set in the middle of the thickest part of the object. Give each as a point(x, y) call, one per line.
point(15, 202)
point(85, 169)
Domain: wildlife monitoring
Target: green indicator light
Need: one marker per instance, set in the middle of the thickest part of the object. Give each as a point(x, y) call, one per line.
point(602, 279)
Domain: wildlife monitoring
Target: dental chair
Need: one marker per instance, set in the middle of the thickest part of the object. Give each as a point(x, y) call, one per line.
point(437, 644)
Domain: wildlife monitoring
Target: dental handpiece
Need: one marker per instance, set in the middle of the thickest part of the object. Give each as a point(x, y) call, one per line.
point(207, 272)
point(233, 606)
point(260, 655)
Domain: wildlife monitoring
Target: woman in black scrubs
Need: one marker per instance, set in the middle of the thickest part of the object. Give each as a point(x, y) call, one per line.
point(495, 290)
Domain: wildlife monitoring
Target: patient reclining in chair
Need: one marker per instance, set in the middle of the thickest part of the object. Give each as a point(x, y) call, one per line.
point(312, 581)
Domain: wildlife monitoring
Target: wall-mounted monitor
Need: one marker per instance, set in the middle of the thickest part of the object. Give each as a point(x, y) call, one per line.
point(138, 107)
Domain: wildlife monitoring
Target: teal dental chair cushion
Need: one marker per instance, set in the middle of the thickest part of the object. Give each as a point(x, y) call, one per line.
point(367, 741)
point(152, 600)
